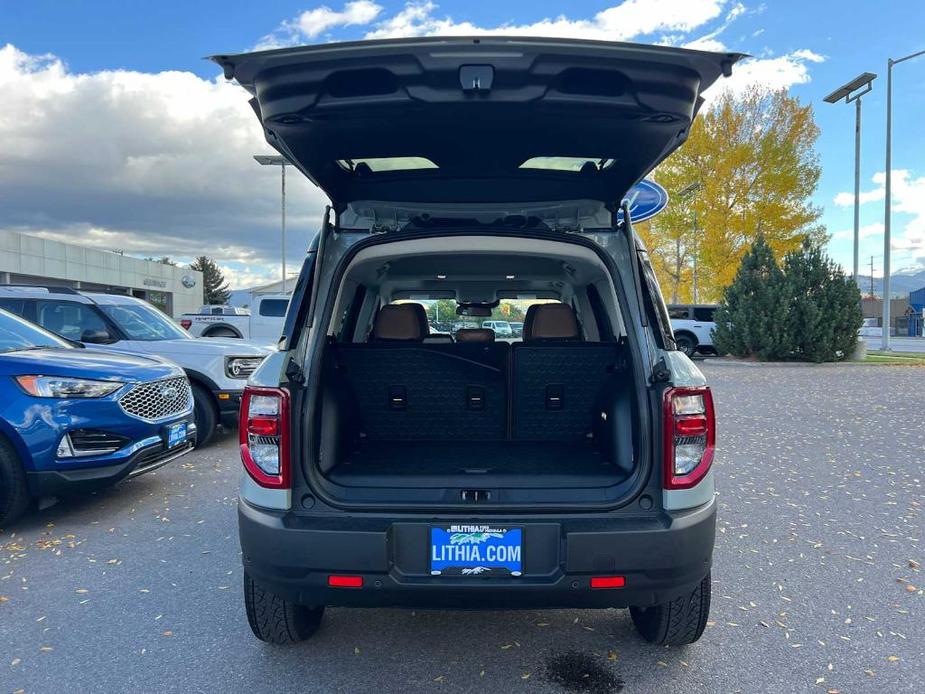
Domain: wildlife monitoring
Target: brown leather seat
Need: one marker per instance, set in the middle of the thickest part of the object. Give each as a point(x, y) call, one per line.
point(400, 323)
point(551, 322)
point(475, 335)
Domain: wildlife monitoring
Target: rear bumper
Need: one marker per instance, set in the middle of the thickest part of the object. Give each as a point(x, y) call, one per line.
point(67, 482)
point(661, 557)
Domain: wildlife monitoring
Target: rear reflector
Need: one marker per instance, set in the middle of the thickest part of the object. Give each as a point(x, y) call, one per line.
point(185, 323)
point(345, 581)
point(608, 582)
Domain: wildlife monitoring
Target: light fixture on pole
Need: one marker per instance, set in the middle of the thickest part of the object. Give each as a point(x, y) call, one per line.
point(853, 91)
point(691, 189)
point(888, 195)
point(277, 160)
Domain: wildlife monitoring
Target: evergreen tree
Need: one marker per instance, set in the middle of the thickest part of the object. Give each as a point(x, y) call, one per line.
point(752, 319)
point(825, 306)
point(214, 287)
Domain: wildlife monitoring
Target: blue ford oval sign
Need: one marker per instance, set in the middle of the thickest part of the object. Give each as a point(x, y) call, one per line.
point(646, 199)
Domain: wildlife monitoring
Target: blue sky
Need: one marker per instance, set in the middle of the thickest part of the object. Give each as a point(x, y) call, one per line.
point(116, 132)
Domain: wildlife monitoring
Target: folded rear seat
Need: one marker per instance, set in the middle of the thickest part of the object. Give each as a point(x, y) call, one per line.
point(558, 381)
point(403, 389)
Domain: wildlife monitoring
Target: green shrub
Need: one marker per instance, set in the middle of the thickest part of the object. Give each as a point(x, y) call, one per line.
point(808, 310)
point(752, 317)
point(825, 306)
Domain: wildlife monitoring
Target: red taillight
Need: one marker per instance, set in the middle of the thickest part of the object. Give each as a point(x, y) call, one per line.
point(608, 582)
point(690, 436)
point(264, 436)
point(185, 323)
point(345, 581)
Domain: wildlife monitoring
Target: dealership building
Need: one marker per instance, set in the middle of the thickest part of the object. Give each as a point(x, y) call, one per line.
point(31, 260)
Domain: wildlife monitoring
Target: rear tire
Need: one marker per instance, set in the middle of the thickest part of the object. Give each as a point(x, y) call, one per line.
point(686, 344)
point(276, 620)
point(678, 622)
point(205, 414)
point(14, 491)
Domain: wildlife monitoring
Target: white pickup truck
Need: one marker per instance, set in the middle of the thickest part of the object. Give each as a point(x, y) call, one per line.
point(262, 323)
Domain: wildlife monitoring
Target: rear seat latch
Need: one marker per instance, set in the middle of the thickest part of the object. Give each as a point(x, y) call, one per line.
point(475, 398)
point(398, 398)
point(555, 397)
point(475, 495)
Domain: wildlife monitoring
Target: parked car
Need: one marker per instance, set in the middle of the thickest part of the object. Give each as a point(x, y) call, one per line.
point(217, 369)
point(501, 327)
point(693, 327)
point(517, 328)
point(572, 469)
point(261, 323)
point(74, 420)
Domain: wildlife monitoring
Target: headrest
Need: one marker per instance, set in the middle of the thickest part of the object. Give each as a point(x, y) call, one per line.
point(475, 335)
point(400, 322)
point(439, 338)
point(551, 322)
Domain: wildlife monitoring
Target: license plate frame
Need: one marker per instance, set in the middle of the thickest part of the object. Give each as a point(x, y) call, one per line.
point(475, 550)
point(176, 434)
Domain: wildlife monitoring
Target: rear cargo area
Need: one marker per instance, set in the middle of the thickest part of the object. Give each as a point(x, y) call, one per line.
point(477, 416)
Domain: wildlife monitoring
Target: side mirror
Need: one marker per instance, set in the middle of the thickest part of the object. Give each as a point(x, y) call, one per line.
point(98, 337)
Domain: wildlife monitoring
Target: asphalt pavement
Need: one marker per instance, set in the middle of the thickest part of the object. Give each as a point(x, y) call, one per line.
point(817, 585)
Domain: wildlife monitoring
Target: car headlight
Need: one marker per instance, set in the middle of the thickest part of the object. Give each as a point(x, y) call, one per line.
point(241, 367)
point(63, 387)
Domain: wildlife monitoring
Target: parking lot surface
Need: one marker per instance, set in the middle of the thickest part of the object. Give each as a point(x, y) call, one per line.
point(817, 585)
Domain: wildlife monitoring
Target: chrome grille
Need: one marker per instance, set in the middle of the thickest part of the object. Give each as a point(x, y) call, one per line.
point(158, 399)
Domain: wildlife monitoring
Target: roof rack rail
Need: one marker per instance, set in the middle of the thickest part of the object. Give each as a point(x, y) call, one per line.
point(58, 289)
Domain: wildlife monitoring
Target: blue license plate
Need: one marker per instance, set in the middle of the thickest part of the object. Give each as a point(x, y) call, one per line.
point(476, 550)
point(176, 434)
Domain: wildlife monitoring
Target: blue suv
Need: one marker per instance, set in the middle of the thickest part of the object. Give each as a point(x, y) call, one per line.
point(76, 420)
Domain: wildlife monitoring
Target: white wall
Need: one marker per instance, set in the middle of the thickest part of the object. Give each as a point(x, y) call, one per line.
point(29, 255)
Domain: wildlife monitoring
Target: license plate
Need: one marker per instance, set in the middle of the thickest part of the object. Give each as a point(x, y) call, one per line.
point(176, 434)
point(476, 550)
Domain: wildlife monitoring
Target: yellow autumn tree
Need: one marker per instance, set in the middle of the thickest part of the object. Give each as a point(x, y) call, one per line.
point(749, 167)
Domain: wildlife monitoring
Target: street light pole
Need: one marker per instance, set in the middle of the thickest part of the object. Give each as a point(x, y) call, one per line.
point(888, 195)
point(849, 92)
point(277, 160)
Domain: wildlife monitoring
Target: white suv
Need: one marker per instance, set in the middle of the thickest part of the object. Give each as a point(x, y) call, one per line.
point(217, 368)
point(501, 327)
point(693, 327)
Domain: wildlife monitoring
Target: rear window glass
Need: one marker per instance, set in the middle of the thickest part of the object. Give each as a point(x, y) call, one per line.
point(573, 164)
point(273, 308)
point(506, 319)
point(377, 164)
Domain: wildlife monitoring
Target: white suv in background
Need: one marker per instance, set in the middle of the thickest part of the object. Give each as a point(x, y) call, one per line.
point(693, 327)
point(501, 327)
point(217, 368)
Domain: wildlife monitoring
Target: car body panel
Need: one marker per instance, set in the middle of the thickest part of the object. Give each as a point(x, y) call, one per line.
point(478, 109)
point(35, 425)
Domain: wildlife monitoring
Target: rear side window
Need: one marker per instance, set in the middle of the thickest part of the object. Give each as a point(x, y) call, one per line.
point(273, 308)
point(17, 306)
point(704, 313)
point(678, 312)
point(68, 318)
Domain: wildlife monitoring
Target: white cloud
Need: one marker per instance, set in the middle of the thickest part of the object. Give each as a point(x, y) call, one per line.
point(622, 22)
point(155, 164)
point(808, 55)
point(781, 72)
point(908, 220)
point(314, 22)
point(865, 231)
